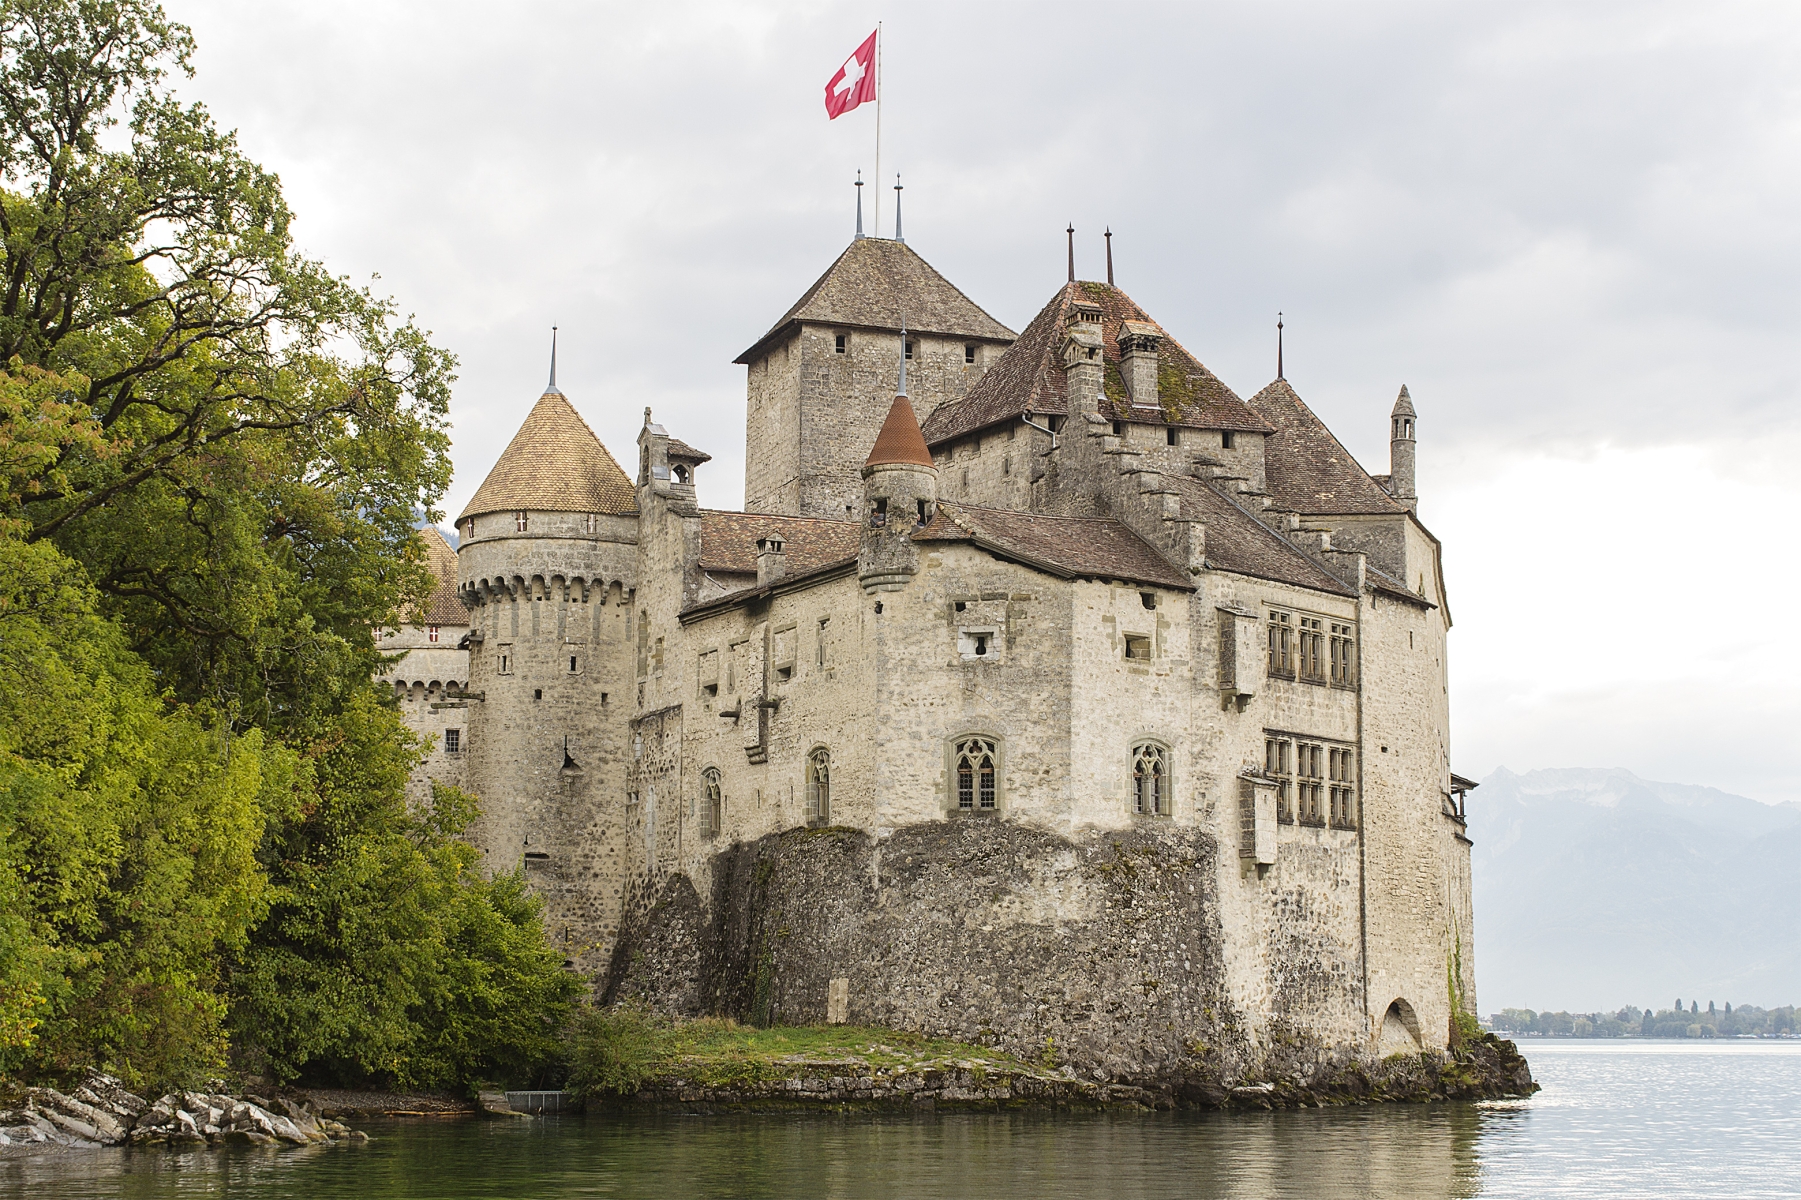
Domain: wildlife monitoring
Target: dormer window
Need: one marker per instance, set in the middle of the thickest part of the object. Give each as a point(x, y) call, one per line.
point(840, 340)
point(969, 352)
point(519, 521)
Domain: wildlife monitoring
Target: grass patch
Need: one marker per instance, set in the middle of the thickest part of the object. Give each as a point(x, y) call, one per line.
point(617, 1051)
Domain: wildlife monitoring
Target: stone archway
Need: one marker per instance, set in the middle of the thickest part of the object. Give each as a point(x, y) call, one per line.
point(1400, 1032)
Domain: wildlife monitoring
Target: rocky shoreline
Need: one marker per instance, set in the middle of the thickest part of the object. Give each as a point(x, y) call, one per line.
point(101, 1112)
point(1485, 1070)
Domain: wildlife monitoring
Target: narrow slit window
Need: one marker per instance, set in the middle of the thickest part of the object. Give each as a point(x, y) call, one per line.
point(1172, 437)
point(519, 521)
point(840, 340)
point(969, 352)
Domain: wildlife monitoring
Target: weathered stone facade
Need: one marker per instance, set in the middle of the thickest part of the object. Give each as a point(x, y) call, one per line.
point(1105, 720)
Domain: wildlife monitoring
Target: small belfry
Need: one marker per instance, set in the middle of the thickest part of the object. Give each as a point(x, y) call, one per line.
point(1401, 446)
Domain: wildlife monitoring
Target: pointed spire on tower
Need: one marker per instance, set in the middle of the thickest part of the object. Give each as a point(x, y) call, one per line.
point(1072, 251)
point(553, 361)
point(859, 206)
point(903, 368)
point(1109, 236)
point(1279, 374)
point(897, 215)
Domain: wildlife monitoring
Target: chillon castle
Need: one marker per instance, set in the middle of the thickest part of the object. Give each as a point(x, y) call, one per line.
point(1066, 701)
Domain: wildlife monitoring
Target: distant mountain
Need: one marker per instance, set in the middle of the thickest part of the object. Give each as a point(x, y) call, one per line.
point(1595, 889)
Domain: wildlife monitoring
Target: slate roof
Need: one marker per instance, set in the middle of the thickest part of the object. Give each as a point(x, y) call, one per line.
point(1072, 547)
point(875, 284)
point(682, 450)
point(728, 541)
point(554, 464)
point(1239, 542)
point(1029, 377)
point(1306, 469)
point(442, 607)
point(899, 440)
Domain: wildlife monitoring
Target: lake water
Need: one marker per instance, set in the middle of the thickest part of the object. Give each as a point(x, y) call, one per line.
point(1615, 1119)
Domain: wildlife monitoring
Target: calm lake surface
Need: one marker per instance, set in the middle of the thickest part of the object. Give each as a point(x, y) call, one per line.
point(1615, 1119)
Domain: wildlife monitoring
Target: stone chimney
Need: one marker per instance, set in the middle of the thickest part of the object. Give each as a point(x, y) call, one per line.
point(653, 456)
point(772, 559)
point(1401, 446)
point(1138, 343)
point(1082, 361)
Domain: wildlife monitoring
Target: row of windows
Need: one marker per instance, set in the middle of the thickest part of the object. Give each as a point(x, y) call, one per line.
point(522, 522)
point(1310, 648)
point(841, 343)
point(1315, 783)
point(1172, 435)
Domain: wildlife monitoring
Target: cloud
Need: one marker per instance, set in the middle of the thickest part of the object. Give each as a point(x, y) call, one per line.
point(1569, 228)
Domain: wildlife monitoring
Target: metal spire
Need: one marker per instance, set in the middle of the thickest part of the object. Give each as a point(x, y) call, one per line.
point(897, 221)
point(1279, 374)
point(859, 206)
point(553, 360)
point(903, 370)
point(1072, 251)
point(1109, 256)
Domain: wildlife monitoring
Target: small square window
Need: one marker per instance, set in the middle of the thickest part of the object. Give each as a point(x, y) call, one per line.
point(978, 645)
point(841, 339)
point(537, 693)
point(1119, 428)
point(453, 741)
point(1226, 440)
point(909, 347)
point(1171, 437)
point(1138, 648)
point(969, 352)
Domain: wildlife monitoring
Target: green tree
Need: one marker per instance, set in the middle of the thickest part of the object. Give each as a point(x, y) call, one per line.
point(253, 437)
point(388, 956)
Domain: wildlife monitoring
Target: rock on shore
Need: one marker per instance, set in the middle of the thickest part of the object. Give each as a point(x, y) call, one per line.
point(100, 1112)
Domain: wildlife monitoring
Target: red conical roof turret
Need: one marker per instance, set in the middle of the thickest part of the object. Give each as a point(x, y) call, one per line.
point(900, 440)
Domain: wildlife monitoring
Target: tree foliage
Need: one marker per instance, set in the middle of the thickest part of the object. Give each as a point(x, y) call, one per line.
point(212, 454)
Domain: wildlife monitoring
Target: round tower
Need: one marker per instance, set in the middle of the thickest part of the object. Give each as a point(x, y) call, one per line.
point(900, 495)
point(1401, 445)
point(546, 567)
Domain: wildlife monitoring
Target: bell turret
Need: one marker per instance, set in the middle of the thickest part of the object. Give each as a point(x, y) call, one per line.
point(900, 494)
point(1401, 446)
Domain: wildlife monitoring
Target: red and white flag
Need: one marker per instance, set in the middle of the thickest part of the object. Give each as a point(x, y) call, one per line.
point(854, 83)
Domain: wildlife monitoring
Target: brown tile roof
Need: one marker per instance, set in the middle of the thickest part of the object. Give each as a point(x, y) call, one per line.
point(682, 450)
point(1306, 469)
point(442, 607)
point(899, 440)
point(1029, 377)
point(728, 541)
point(554, 464)
point(1073, 547)
point(1237, 541)
point(875, 284)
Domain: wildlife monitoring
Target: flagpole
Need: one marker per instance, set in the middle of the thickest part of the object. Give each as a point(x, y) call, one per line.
point(878, 129)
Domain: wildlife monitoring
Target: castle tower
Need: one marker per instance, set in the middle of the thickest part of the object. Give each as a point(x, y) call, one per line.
point(817, 386)
point(1401, 445)
point(547, 570)
point(900, 495)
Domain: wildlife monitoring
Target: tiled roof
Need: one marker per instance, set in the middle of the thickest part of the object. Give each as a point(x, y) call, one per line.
point(682, 450)
point(1306, 469)
point(728, 541)
point(1029, 377)
point(1237, 541)
point(899, 440)
point(442, 607)
point(876, 284)
point(554, 464)
point(1074, 547)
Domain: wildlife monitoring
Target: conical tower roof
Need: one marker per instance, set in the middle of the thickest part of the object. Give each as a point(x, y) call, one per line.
point(1403, 405)
point(900, 440)
point(554, 464)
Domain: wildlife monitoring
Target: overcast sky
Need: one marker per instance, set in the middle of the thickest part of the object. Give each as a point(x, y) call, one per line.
point(1570, 229)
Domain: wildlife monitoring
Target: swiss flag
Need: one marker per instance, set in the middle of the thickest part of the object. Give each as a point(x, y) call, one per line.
point(854, 83)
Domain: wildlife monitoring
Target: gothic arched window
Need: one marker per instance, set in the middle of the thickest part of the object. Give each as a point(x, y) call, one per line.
point(819, 787)
point(712, 802)
point(1150, 779)
point(975, 772)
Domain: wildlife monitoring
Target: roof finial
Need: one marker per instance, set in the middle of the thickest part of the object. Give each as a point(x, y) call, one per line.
point(1072, 251)
point(897, 223)
point(1109, 256)
point(903, 370)
point(859, 206)
point(1279, 374)
point(553, 360)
